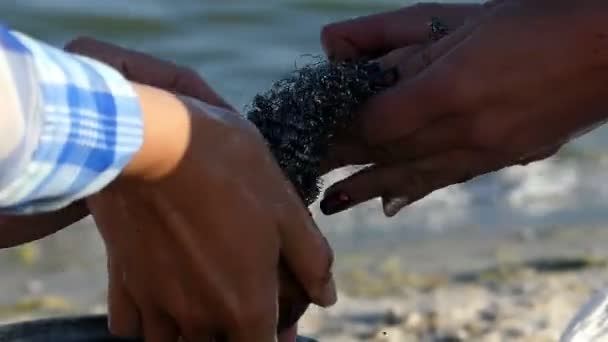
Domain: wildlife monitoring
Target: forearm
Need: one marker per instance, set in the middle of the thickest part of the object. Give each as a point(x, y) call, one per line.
point(25, 118)
point(17, 230)
point(166, 133)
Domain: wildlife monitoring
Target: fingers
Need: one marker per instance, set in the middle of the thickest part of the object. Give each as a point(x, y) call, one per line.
point(372, 35)
point(398, 58)
point(364, 185)
point(540, 155)
point(414, 101)
point(418, 117)
point(346, 151)
point(197, 332)
point(256, 334)
point(257, 317)
point(428, 90)
point(375, 35)
point(405, 108)
point(402, 184)
point(307, 253)
point(143, 68)
point(263, 331)
point(450, 133)
point(124, 320)
point(411, 60)
point(159, 327)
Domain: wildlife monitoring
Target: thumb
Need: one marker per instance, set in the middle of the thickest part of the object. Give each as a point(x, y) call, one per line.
point(402, 184)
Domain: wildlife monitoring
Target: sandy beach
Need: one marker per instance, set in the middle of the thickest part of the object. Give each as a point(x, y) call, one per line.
point(482, 287)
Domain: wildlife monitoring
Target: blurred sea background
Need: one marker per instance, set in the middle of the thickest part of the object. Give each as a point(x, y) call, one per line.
point(553, 210)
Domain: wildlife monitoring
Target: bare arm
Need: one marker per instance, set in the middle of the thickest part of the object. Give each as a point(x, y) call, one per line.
point(17, 230)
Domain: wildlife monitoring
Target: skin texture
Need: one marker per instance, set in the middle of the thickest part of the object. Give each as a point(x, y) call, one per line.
point(137, 67)
point(378, 34)
point(213, 272)
point(216, 256)
point(17, 230)
point(470, 103)
point(165, 75)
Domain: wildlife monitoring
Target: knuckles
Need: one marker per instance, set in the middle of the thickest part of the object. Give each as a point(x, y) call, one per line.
point(252, 313)
point(330, 33)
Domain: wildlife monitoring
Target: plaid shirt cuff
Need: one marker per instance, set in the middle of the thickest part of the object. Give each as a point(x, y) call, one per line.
point(90, 126)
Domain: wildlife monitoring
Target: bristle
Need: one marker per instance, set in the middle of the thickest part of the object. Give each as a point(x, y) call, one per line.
point(298, 117)
point(301, 113)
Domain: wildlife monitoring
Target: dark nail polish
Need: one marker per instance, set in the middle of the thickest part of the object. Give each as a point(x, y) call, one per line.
point(373, 68)
point(334, 203)
point(391, 75)
point(385, 78)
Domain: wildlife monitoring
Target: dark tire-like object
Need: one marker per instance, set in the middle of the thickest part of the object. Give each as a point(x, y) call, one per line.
point(67, 329)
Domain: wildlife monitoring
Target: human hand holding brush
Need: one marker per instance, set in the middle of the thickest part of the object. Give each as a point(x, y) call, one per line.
point(510, 85)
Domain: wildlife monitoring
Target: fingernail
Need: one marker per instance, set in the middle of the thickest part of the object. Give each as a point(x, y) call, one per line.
point(392, 206)
point(334, 203)
point(330, 294)
point(373, 68)
point(385, 78)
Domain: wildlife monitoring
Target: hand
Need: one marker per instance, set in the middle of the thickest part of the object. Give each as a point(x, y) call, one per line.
point(17, 230)
point(394, 36)
point(198, 249)
point(376, 35)
point(508, 88)
point(148, 70)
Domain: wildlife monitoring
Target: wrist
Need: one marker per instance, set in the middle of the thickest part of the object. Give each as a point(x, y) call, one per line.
point(166, 123)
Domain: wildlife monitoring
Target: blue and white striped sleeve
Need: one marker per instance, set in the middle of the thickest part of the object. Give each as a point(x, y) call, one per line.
point(68, 125)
